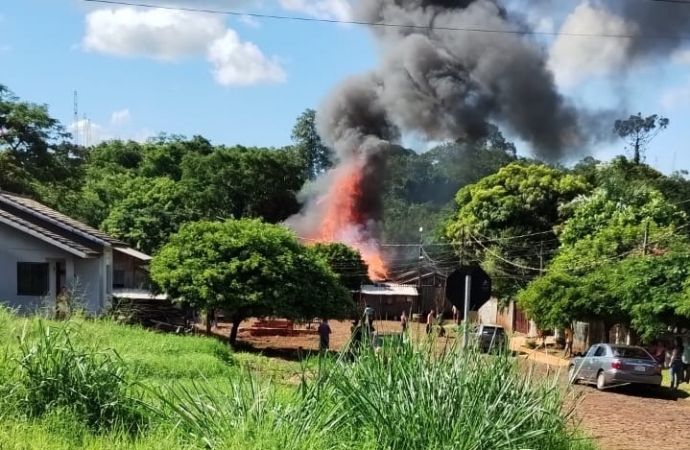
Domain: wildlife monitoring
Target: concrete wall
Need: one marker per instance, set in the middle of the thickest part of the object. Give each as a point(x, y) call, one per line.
point(16, 246)
point(90, 283)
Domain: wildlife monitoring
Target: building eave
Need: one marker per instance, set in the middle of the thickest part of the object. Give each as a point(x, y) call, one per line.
point(42, 216)
point(44, 238)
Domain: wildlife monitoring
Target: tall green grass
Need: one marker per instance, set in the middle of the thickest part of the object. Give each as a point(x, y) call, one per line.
point(53, 372)
point(61, 388)
point(408, 398)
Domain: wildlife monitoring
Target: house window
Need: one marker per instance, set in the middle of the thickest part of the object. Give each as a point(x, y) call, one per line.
point(33, 279)
point(118, 279)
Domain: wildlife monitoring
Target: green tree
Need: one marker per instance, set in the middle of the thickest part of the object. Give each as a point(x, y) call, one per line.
point(315, 156)
point(243, 182)
point(248, 268)
point(638, 132)
point(345, 261)
point(153, 209)
point(611, 239)
point(507, 221)
point(33, 147)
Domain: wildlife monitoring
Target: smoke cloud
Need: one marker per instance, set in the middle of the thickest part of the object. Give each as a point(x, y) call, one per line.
point(656, 30)
point(441, 83)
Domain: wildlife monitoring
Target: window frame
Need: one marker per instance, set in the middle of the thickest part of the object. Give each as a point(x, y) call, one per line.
point(27, 285)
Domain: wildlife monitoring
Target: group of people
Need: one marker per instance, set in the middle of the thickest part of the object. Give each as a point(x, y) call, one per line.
point(678, 359)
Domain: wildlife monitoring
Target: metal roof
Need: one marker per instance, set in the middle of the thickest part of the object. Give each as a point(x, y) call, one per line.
point(133, 253)
point(138, 294)
point(389, 289)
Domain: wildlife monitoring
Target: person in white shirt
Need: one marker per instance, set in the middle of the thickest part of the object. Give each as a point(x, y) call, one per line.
point(686, 361)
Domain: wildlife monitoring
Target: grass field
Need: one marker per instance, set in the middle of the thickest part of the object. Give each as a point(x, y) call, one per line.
point(98, 385)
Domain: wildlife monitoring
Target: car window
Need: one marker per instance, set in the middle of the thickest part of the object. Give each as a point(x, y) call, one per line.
point(600, 351)
point(488, 330)
point(631, 352)
point(590, 351)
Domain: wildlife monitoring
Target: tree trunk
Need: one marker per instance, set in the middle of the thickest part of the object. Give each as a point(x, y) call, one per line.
point(209, 321)
point(236, 321)
point(636, 152)
point(607, 331)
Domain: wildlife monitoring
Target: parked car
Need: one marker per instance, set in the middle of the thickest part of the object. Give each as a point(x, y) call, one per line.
point(609, 365)
point(490, 337)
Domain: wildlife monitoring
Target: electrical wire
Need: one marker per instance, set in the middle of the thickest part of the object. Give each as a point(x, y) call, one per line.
point(395, 25)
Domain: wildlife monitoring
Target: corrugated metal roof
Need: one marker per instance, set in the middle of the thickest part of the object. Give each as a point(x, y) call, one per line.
point(133, 253)
point(22, 225)
point(138, 294)
point(42, 211)
point(389, 289)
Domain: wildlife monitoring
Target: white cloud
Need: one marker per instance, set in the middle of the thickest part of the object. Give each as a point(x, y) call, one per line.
point(120, 117)
point(573, 59)
point(171, 35)
point(89, 133)
point(681, 57)
point(237, 63)
point(321, 9)
point(676, 97)
point(156, 33)
point(250, 21)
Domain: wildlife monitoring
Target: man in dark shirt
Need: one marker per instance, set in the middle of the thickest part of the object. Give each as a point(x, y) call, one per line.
point(324, 335)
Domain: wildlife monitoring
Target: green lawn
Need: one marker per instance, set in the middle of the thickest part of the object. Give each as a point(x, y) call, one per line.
point(98, 385)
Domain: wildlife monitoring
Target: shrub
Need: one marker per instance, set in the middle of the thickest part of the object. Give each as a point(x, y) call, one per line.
point(55, 372)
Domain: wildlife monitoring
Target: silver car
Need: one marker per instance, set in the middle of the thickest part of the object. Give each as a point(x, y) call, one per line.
point(610, 365)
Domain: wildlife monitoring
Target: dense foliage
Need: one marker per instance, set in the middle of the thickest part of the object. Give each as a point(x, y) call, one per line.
point(605, 241)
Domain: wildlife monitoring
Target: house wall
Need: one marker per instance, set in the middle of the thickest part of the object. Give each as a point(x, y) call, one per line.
point(90, 283)
point(133, 276)
point(16, 246)
point(387, 307)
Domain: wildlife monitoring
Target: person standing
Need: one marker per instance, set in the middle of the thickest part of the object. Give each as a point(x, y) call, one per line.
point(324, 335)
point(677, 372)
point(403, 321)
point(686, 361)
point(430, 322)
point(456, 315)
point(568, 351)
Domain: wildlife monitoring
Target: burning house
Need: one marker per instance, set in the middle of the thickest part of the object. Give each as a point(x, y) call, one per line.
point(388, 300)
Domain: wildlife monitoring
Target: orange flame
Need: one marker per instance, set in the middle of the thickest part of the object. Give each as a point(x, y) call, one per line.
point(342, 222)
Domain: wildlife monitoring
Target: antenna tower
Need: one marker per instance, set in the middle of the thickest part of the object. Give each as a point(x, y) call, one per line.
point(75, 120)
point(86, 123)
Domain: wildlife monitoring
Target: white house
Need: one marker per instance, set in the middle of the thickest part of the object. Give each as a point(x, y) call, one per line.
point(43, 252)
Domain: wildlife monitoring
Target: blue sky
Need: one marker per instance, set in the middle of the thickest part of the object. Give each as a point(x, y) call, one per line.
point(140, 72)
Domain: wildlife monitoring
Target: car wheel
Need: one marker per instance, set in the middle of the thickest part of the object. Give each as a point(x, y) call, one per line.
point(601, 380)
point(572, 379)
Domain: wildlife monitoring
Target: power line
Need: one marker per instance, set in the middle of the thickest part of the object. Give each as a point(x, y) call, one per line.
point(395, 25)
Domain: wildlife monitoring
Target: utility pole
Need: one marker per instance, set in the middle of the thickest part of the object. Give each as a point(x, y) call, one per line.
point(419, 274)
point(645, 242)
point(466, 311)
point(541, 258)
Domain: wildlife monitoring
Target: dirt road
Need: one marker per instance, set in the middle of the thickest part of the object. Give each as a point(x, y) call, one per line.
point(620, 419)
point(630, 419)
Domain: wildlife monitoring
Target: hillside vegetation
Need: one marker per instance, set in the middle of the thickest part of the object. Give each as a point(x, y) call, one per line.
point(98, 385)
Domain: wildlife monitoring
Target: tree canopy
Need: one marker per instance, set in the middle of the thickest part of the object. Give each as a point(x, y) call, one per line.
point(508, 220)
point(248, 268)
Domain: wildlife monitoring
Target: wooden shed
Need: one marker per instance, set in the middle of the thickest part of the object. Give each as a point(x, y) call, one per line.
point(389, 300)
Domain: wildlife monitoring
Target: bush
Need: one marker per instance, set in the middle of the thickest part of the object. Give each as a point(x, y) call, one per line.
point(54, 372)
